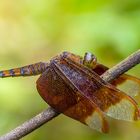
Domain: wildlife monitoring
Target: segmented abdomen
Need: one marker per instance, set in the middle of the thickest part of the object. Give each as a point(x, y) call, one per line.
point(28, 70)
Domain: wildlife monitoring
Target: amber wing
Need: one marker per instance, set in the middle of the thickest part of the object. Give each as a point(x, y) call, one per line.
point(81, 94)
point(56, 90)
point(109, 99)
point(127, 83)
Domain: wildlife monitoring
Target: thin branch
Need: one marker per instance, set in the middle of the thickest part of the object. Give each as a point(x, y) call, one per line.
point(30, 125)
point(122, 67)
point(50, 113)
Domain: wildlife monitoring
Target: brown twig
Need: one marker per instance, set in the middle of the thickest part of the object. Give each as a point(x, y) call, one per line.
point(29, 126)
point(50, 113)
point(122, 67)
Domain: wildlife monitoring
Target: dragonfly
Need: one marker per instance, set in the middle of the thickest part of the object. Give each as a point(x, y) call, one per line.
point(72, 85)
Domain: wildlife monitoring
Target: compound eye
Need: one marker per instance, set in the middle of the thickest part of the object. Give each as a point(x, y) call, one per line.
point(90, 60)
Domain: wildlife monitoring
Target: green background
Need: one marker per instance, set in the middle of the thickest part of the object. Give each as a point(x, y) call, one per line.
point(36, 30)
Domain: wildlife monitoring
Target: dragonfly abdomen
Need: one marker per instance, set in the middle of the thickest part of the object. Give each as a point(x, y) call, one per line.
point(29, 70)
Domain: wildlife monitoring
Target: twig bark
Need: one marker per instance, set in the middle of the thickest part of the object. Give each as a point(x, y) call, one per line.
point(50, 113)
point(122, 67)
point(29, 126)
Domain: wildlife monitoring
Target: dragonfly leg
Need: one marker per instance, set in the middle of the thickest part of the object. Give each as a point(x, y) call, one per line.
point(29, 70)
point(90, 60)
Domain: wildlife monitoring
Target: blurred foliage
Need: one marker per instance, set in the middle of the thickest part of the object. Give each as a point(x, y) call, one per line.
point(33, 31)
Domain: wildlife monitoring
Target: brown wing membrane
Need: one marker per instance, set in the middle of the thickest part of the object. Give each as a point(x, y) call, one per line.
point(127, 83)
point(110, 100)
point(60, 93)
point(94, 120)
